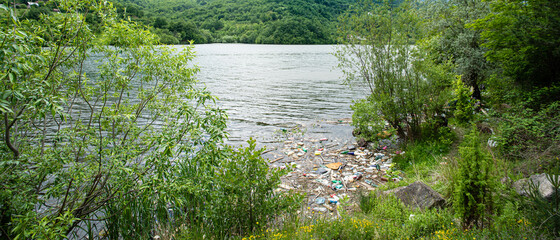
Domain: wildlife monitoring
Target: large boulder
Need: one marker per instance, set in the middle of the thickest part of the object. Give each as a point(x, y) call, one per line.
point(546, 189)
point(418, 195)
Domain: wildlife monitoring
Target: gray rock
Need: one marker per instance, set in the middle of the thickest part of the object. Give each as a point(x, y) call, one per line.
point(546, 189)
point(418, 195)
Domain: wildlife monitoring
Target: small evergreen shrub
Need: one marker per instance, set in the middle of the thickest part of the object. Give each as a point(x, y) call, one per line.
point(463, 106)
point(474, 184)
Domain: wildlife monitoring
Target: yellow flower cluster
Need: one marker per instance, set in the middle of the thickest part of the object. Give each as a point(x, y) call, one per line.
point(524, 222)
point(278, 236)
point(250, 237)
point(307, 229)
point(362, 223)
point(445, 234)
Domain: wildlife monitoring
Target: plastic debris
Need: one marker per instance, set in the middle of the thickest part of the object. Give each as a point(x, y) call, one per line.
point(321, 171)
point(334, 166)
point(319, 209)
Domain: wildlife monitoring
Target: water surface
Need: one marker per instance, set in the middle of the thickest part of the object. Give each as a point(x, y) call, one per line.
point(266, 88)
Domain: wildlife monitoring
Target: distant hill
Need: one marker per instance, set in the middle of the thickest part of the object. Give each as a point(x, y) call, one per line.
point(242, 21)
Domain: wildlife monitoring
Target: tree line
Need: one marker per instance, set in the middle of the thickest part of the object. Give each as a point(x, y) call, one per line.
point(253, 21)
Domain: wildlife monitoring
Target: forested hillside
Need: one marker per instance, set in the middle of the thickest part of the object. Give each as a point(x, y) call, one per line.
point(248, 21)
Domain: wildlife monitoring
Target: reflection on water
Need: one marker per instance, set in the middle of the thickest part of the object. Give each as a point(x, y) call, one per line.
point(267, 87)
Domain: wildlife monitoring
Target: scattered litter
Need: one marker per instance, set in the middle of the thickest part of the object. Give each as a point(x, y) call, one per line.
point(267, 151)
point(321, 171)
point(319, 209)
point(334, 166)
point(280, 158)
point(284, 186)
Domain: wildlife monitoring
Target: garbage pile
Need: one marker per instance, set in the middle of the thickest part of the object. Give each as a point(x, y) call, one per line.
point(329, 171)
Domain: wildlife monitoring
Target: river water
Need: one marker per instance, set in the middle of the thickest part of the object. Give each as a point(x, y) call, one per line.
point(267, 89)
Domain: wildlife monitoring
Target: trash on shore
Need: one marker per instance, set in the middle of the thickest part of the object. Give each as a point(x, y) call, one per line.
point(328, 169)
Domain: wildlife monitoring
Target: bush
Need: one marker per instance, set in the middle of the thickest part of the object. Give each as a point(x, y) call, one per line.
point(474, 185)
point(366, 119)
point(232, 192)
point(463, 112)
point(530, 134)
point(243, 198)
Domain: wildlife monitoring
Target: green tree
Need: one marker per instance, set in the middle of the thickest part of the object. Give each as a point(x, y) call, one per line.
point(474, 185)
point(522, 38)
point(160, 22)
point(378, 53)
point(36, 12)
point(285, 22)
point(450, 40)
point(187, 30)
point(79, 141)
point(244, 194)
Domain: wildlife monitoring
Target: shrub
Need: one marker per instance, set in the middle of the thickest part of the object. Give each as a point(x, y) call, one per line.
point(243, 197)
point(231, 192)
point(473, 188)
point(366, 119)
point(463, 112)
point(530, 134)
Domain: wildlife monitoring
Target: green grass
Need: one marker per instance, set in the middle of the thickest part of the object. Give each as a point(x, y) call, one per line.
point(389, 219)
